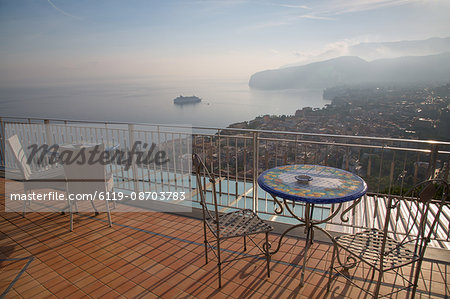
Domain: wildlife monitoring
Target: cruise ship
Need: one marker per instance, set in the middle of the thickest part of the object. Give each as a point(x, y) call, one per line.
point(186, 100)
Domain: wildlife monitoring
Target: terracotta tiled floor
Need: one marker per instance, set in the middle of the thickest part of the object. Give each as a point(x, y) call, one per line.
point(157, 255)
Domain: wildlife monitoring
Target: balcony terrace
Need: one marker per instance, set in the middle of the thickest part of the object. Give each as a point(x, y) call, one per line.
point(161, 254)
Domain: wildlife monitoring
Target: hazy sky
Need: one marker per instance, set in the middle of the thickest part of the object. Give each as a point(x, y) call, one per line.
point(61, 41)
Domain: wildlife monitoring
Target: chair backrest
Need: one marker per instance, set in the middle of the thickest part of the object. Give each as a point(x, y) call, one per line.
point(415, 216)
point(19, 156)
point(206, 188)
point(84, 169)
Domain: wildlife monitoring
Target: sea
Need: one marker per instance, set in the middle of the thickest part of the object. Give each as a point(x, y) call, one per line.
point(224, 101)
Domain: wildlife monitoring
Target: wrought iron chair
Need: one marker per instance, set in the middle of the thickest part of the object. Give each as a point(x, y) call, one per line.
point(241, 223)
point(401, 241)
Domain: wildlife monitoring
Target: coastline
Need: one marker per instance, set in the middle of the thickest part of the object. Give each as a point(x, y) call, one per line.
point(401, 112)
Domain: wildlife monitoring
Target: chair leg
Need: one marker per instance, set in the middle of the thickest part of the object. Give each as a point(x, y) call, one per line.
point(416, 277)
point(68, 203)
point(376, 293)
point(95, 209)
point(205, 241)
point(109, 213)
point(371, 278)
point(219, 263)
point(245, 243)
point(24, 209)
point(330, 272)
point(71, 216)
point(25, 204)
point(268, 254)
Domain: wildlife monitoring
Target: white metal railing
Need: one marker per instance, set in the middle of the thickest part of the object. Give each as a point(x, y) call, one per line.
point(238, 156)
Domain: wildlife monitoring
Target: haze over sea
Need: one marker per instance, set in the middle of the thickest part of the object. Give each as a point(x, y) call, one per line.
point(146, 101)
point(81, 59)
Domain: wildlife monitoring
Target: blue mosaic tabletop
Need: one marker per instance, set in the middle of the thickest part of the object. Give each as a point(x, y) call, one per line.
point(328, 184)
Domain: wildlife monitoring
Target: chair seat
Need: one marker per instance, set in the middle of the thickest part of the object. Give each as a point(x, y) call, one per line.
point(239, 223)
point(55, 178)
point(56, 173)
point(52, 178)
point(366, 245)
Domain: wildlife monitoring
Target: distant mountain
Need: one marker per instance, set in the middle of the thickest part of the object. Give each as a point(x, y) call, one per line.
point(349, 70)
point(381, 50)
point(431, 46)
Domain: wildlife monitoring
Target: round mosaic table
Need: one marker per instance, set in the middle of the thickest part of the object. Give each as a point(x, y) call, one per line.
point(327, 185)
point(311, 184)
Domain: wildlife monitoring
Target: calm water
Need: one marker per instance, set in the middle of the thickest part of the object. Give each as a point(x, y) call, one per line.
point(224, 102)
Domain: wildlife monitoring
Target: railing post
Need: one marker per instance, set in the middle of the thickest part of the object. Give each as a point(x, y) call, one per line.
point(48, 132)
point(416, 170)
point(433, 158)
point(107, 141)
point(445, 172)
point(158, 130)
point(3, 144)
point(255, 170)
point(220, 162)
point(133, 158)
point(65, 138)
